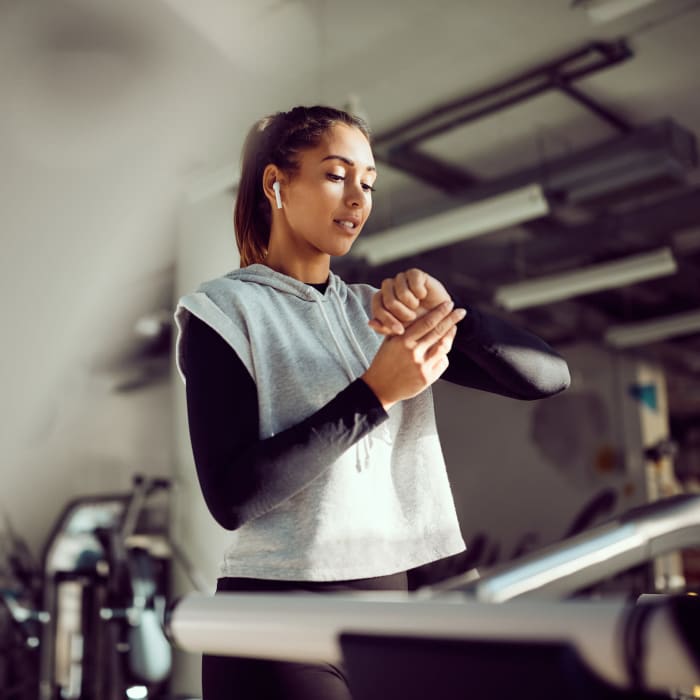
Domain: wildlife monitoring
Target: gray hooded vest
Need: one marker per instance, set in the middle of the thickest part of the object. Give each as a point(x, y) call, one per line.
point(385, 505)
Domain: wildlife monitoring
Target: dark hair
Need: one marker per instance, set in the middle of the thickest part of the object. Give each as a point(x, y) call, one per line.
point(277, 139)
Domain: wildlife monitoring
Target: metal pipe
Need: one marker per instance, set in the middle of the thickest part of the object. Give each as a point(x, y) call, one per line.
point(573, 66)
point(306, 628)
point(606, 115)
point(563, 568)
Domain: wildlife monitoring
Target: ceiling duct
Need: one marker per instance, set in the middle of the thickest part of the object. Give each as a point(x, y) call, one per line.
point(559, 75)
point(648, 155)
point(656, 155)
point(400, 145)
point(652, 157)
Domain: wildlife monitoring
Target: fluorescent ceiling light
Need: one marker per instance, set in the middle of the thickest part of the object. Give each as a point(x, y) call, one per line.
point(619, 273)
point(474, 219)
point(631, 334)
point(601, 11)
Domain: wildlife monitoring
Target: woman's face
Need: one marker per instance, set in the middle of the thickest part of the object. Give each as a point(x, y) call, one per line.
point(328, 200)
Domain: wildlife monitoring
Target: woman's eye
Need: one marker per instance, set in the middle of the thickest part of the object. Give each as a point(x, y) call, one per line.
point(337, 178)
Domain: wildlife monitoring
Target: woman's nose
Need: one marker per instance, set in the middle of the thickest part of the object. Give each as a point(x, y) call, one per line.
point(354, 195)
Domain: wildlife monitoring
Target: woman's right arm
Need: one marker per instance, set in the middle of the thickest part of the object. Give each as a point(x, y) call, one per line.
point(240, 475)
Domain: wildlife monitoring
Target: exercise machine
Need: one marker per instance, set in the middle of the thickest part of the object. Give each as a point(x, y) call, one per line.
point(515, 632)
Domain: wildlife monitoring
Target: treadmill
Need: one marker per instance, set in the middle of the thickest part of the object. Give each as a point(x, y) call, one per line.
point(518, 631)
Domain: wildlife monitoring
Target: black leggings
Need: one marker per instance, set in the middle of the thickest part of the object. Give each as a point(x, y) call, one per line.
point(233, 678)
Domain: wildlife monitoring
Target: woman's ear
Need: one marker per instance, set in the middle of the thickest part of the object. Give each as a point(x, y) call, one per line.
point(272, 174)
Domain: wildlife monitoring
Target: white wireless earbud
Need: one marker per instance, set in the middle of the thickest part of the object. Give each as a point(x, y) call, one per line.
point(276, 188)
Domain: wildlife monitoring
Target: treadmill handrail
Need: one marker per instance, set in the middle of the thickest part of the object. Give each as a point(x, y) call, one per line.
point(591, 556)
point(307, 627)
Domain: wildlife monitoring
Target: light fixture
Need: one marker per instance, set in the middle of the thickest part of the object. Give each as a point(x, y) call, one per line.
point(618, 273)
point(601, 11)
point(631, 334)
point(468, 221)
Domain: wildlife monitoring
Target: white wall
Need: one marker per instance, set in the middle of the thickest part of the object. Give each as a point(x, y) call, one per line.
point(529, 467)
point(93, 443)
point(206, 248)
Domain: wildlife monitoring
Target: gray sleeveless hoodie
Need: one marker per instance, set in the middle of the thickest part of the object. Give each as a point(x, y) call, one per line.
point(385, 505)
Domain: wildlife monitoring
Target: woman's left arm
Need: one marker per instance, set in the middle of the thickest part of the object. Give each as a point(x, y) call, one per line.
point(492, 355)
point(487, 352)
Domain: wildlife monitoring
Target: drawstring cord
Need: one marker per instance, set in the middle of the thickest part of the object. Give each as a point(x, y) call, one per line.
point(382, 432)
point(362, 460)
point(353, 339)
point(348, 369)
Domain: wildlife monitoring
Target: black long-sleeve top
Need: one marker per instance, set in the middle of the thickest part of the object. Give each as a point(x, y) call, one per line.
point(243, 476)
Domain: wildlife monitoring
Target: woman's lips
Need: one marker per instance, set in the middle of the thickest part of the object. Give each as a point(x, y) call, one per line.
point(345, 225)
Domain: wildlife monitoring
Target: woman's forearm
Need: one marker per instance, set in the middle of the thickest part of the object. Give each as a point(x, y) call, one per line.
point(240, 475)
point(492, 355)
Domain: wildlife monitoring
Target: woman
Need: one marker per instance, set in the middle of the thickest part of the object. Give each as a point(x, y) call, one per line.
point(309, 403)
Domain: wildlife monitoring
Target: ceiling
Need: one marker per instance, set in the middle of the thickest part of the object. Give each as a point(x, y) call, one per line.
point(113, 110)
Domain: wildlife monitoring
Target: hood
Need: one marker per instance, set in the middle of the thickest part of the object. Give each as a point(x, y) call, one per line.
point(262, 274)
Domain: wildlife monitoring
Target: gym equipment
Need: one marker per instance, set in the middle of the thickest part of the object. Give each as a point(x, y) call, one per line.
point(446, 641)
point(105, 587)
point(20, 617)
point(310, 628)
point(561, 569)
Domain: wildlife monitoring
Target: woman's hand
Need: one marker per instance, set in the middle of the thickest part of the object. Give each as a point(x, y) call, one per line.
point(403, 299)
point(407, 364)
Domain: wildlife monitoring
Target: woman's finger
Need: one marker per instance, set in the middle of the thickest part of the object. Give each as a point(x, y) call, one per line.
point(437, 366)
point(428, 322)
point(443, 345)
point(379, 327)
point(394, 306)
point(386, 321)
point(417, 281)
point(441, 364)
point(382, 321)
point(404, 293)
point(436, 335)
point(429, 329)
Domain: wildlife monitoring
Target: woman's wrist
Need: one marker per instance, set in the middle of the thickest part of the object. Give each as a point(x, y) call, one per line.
point(375, 387)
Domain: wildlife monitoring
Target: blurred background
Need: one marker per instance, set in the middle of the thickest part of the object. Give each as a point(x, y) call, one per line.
point(539, 158)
